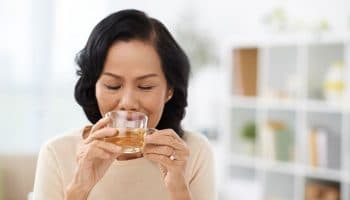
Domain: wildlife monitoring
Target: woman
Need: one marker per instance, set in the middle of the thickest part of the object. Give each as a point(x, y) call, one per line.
point(130, 62)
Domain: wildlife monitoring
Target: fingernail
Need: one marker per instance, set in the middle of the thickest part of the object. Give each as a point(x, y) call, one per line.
point(114, 131)
point(107, 116)
point(150, 131)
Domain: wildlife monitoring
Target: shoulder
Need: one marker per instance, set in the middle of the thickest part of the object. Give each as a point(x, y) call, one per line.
point(65, 139)
point(197, 142)
point(63, 144)
point(201, 155)
point(56, 161)
point(195, 138)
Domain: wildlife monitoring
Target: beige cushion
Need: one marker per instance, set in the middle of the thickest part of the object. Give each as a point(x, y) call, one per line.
point(17, 173)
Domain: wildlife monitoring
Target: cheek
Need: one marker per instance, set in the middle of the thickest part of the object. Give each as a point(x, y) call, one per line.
point(154, 107)
point(103, 100)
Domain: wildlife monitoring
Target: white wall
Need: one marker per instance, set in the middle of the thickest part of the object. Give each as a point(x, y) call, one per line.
point(40, 38)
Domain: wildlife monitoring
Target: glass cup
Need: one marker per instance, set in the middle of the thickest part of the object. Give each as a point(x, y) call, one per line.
point(131, 128)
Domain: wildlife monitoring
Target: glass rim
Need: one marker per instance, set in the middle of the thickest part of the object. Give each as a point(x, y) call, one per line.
point(125, 112)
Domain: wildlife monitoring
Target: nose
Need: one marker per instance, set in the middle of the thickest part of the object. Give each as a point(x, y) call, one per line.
point(128, 101)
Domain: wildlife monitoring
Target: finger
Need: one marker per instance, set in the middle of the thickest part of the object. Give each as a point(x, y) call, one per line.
point(164, 160)
point(89, 151)
point(160, 139)
point(169, 132)
point(100, 124)
point(106, 146)
point(165, 151)
point(101, 133)
point(178, 156)
point(150, 131)
point(99, 153)
point(93, 153)
point(155, 149)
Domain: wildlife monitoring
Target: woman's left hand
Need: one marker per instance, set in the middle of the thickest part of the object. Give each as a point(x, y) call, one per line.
point(171, 152)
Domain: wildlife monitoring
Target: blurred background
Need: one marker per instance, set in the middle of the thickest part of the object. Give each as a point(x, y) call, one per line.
point(269, 87)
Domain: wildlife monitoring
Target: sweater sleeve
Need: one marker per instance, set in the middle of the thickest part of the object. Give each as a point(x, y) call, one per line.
point(202, 183)
point(48, 180)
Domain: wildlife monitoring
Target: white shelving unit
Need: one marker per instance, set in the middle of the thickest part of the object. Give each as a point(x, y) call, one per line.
point(271, 179)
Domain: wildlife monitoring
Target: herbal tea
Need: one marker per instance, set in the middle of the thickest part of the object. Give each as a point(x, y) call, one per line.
point(130, 139)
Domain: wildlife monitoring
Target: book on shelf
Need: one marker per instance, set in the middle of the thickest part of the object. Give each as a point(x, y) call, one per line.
point(245, 71)
point(318, 148)
point(277, 141)
point(322, 191)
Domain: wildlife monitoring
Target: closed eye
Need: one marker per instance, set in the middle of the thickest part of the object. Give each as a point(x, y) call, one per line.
point(113, 87)
point(146, 87)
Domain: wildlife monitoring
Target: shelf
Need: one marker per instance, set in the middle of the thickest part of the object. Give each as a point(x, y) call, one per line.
point(280, 167)
point(279, 104)
point(327, 174)
point(323, 106)
point(289, 168)
point(290, 76)
point(286, 104)
point(263, 164)
point(243, 102)
point(262, 103)
point(286, 39)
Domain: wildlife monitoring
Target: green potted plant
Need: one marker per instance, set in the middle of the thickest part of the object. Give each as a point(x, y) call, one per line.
point(248, 133)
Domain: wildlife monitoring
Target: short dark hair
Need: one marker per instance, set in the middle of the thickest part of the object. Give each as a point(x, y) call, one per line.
point(129, 25)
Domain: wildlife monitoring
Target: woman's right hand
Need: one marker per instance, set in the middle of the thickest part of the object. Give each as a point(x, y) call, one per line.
point(94, 158)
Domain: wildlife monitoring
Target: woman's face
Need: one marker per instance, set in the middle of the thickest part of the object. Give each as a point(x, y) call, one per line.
point(132, 79)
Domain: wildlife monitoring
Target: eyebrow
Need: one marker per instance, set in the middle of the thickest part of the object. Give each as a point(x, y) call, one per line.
point(138, 78)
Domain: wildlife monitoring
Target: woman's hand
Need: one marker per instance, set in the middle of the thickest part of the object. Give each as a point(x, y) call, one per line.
point(171, 152)
point(94, 157)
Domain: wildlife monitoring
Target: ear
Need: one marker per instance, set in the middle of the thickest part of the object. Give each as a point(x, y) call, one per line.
point(169, 94)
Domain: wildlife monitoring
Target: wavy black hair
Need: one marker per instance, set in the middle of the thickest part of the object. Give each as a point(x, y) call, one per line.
point(129, 25)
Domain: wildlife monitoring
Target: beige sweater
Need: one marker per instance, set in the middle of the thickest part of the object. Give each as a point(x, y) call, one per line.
point(125, 180)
